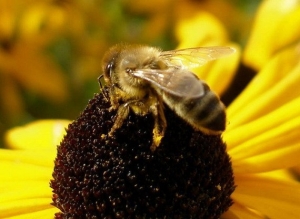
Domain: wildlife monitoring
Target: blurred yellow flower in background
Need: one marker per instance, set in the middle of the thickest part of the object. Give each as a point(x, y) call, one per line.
point(263, 121)
point(275, 27)
point(211, 33)
point(25, 30)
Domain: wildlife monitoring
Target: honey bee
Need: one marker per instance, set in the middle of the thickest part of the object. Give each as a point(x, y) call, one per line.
point(142, 78)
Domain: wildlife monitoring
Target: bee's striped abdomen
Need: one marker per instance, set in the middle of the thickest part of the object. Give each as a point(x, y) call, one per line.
point(206, 113)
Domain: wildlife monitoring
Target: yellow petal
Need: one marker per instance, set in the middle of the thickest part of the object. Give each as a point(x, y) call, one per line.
point(276, 26)
point(276, 84)
point(283, 135)
point(285, 157)
point(37, 157)
point(32, 20)
point(200, 29)
point(25, 189)
point(237, 211)
point(37, 135)
point(281, 175)
point(266, 123)
point(15, 171)
point(17, 208)
point(42, 14)
point(47, 213)
point(273, 198)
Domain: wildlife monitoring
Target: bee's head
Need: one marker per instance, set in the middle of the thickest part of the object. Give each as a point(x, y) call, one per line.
point(121, 60)
point(118, 64)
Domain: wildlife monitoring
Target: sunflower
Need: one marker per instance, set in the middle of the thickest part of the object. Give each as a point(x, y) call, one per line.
point(261, 137)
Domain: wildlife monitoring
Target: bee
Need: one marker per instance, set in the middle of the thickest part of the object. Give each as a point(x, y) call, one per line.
point(143, 78)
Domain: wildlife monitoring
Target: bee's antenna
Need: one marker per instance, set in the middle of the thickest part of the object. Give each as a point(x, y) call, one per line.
point(102, 87)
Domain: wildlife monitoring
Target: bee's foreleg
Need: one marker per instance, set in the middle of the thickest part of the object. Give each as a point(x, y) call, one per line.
point(115, 94)
point(160, 124)
point(122, 114)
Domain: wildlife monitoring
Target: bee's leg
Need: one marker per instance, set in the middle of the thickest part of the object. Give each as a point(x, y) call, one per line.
point(122, 114)
point(114, 98)
point(102, 88)
point(115, 94)
point(160, 124)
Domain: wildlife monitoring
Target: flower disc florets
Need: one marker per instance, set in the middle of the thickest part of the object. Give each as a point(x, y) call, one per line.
point(188, 176)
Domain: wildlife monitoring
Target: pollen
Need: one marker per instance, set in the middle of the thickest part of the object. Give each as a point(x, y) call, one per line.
point(188, 176)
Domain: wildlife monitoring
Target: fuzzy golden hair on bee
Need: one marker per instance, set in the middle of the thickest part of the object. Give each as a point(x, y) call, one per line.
point(143, 79)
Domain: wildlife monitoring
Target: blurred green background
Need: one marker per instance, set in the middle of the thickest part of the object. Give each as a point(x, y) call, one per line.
point(51, 50)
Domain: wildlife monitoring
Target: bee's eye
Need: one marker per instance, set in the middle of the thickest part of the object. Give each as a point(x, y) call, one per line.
point(108, 69)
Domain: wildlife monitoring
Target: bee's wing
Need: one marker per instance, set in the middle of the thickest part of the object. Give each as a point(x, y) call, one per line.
point(179, 82)
point(195, 57)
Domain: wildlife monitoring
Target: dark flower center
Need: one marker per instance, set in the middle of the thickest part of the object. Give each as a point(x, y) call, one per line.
point(243, 76)
point(188, 176)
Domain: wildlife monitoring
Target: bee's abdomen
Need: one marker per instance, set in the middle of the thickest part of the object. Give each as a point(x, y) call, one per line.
point(205, 113)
